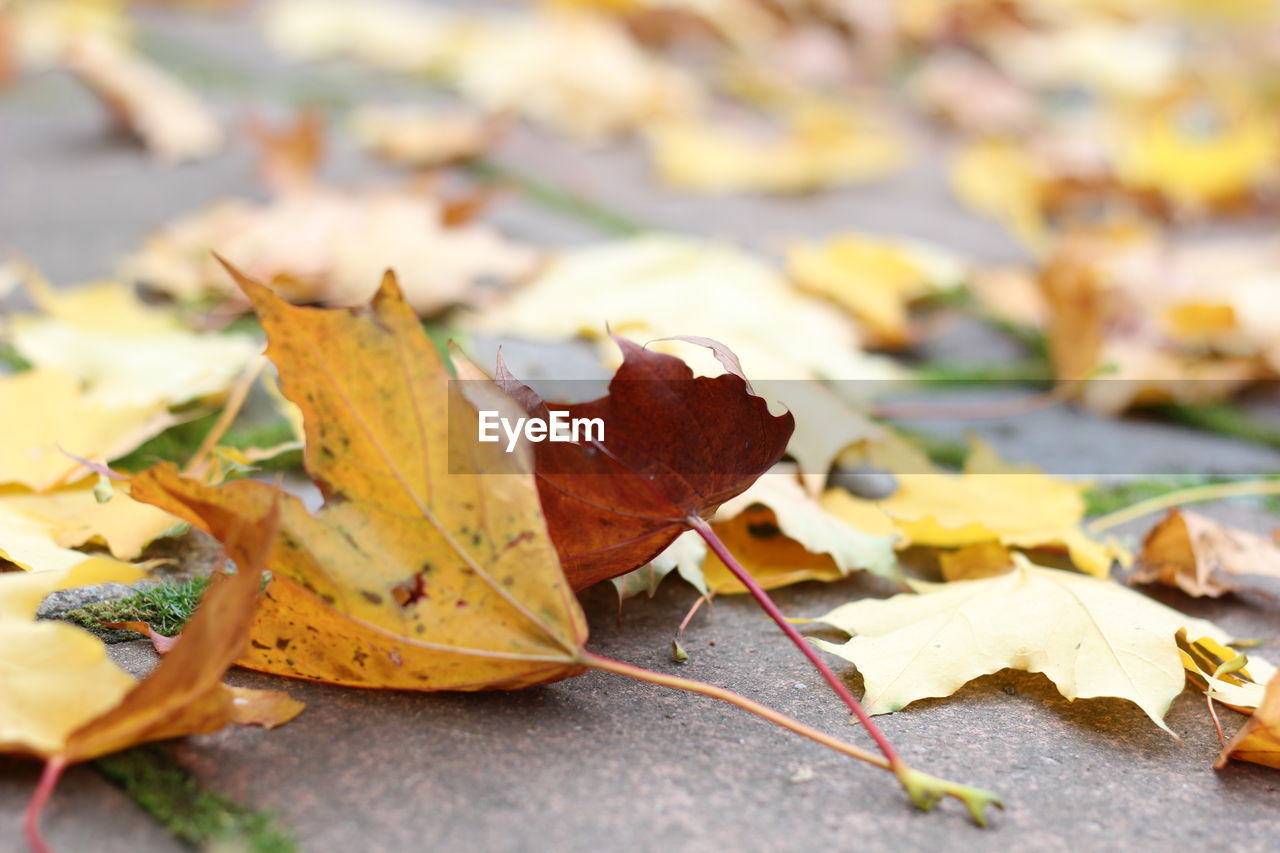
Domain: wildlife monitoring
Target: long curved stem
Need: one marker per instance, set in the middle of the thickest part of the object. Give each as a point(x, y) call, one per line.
point(749, 705)
point(744, 577)
point(924, 790)
point(31, 817)
point(1193, 494)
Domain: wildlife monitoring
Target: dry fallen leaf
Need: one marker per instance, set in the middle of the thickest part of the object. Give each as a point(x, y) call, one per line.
point(1000, 178)
point(393, 36)
point(876, 279)
point(60, 417)
point(664, 286)
point(57, 675)
point(72, 707)
point(972, 95)
point(685, 556)
point(821, 144)
point(1239, 689)
point(168, 119)
point(673, 448)
point(575, 73)
point(1169, 322)
point(72, 516)
point(1198, 164)
point(990, 502)
point(782, 535)
point(417, 137)
point(125, 354)
point(325, 245)
point(1258, 740)
point(1091, 637)
point(420, 572)
point(1194, 553)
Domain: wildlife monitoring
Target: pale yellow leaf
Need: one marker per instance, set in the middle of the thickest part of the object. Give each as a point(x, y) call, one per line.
point(990, 502)
point(875, 278)
point(57, 676)
point(820, 144)
point(1091, 637)
point(57, 416)
point(72, 516)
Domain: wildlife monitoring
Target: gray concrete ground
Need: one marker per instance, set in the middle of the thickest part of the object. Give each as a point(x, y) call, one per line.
point(598, 762)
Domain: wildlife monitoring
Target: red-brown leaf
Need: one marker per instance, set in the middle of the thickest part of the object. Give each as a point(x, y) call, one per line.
point(674, 447)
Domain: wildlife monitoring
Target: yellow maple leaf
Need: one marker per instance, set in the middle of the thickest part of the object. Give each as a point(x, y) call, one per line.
point(990, 502)
point(875, 279)
point(1198, 168)
point(59, 674)
point(1000, 178)
point(60, 417)
point(466, 592)
point(72, 516)
point(819, 145)
point(1091, 637)
point(124, 352)
point(69, 702)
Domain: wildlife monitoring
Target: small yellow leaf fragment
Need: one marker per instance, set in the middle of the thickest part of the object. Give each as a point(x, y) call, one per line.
point(1258, 740)
point(266, 708)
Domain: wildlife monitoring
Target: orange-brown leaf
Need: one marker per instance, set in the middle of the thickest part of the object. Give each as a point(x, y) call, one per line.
point(185, 694)
point(422, 571)
point(1258, 740)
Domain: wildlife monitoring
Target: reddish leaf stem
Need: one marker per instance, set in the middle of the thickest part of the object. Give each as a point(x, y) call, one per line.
point(744, 577)
point(31, 817)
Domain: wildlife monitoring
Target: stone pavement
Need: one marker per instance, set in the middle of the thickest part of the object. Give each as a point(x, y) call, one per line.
point(599, 763)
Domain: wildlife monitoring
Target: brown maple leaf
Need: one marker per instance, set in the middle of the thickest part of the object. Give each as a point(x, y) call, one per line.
point(675, 447)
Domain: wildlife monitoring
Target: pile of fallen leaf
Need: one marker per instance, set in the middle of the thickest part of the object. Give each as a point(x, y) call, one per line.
point(1096, 133)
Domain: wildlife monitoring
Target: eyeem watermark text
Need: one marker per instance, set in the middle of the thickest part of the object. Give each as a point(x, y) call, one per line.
point(558, 426)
